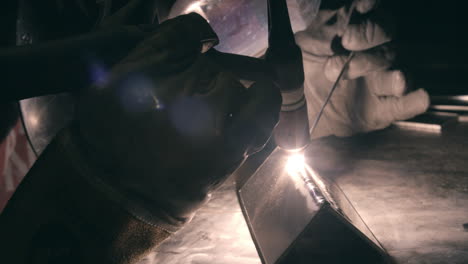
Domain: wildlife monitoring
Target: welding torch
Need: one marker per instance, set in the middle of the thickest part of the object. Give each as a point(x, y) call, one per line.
point(292, 132)
point(285, 58)
point(281, 64)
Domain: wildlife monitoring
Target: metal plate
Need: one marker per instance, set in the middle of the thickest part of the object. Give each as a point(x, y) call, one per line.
point(303, 219)
point(44, 116)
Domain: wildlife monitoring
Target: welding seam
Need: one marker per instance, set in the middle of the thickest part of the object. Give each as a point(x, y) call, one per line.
point(313, 189)
point(315, 179)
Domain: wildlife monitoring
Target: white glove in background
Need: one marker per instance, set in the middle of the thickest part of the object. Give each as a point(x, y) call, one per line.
point(371, 95)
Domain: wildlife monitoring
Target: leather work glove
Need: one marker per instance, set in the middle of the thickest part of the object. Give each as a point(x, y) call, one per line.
point(173, 121)
point(371, 94)
point(152, 138)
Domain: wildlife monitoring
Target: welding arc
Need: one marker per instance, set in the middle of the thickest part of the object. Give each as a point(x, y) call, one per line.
point(335, 85)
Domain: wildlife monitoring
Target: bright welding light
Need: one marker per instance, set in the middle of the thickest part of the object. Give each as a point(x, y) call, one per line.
point(295, 164)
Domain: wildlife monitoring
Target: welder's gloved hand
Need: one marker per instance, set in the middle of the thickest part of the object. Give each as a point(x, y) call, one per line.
point(371, 94)
point(150, 140)
point(169, 125)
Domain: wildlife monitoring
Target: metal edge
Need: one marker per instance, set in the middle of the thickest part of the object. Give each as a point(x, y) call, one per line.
point(247, 220)
point(388, 259)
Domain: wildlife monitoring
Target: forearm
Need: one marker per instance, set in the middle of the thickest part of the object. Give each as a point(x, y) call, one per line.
point(58, 214)
point(63, 65)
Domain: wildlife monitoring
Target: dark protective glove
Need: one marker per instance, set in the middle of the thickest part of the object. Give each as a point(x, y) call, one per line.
point(151, 139)
point(173, 123)
point(373, 94)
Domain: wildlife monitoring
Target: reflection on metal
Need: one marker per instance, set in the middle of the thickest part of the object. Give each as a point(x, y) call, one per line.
point(450, 107)
point(241, 25)
point(431, 122)
point(453, 104)
point(44, 116)
point(304, 219)
point(217, 234)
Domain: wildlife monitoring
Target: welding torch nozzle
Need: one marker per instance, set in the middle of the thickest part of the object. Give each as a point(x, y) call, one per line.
point(292, 131)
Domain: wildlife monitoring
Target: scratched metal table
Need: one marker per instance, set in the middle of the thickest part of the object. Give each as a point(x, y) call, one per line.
point(411, 188)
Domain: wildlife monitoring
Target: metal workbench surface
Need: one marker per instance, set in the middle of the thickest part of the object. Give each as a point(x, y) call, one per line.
point(411, 188)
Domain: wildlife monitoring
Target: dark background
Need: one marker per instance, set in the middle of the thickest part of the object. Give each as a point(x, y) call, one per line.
point(432, 44)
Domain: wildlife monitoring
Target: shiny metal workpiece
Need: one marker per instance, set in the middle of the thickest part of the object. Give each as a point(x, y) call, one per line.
point(304, 218)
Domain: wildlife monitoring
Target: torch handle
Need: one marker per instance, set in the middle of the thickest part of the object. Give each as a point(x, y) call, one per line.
point(285, 59)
